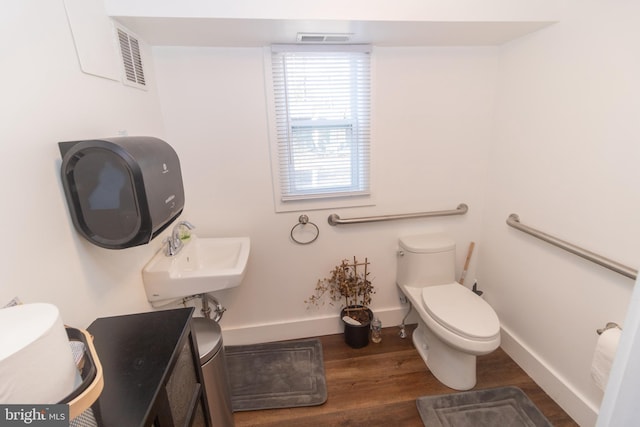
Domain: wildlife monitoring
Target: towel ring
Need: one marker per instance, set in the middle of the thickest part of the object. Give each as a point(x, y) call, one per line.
point(302, 221)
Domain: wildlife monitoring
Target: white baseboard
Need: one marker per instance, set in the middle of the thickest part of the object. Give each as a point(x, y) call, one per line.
point(573, 403)
point(304, 328)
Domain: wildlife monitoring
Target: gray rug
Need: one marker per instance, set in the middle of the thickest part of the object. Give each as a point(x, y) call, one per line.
point(497, 407)
point(283, 374)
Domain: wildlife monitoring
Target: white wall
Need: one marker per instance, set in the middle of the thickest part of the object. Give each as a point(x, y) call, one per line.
point(432, 127)
point(46, 99)
point(565, 160)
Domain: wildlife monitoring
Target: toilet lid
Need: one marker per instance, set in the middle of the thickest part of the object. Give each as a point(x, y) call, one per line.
point(461, 311)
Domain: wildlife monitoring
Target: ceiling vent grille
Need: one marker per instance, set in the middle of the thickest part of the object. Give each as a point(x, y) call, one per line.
point(327, 38)
point(131, 59)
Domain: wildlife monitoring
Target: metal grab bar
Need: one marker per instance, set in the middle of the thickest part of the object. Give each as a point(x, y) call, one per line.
point(334, 219)
point(514, 221)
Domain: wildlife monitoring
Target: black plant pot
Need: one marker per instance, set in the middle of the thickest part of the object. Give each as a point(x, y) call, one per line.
point(357, 336)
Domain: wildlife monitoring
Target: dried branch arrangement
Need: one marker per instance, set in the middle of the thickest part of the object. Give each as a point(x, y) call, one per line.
point(348, 283)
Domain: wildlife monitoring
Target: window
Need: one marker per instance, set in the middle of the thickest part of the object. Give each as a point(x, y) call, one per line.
point(321, 97)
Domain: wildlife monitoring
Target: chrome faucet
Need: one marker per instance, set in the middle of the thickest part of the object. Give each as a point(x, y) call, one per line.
point(174, 242)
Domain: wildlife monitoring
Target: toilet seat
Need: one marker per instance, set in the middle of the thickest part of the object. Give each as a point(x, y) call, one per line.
point(461, 311)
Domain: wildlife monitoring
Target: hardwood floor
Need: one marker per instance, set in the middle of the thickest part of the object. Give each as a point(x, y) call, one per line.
point(378, 385)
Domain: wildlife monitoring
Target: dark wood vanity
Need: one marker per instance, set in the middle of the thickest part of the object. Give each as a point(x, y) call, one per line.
point(152, 374)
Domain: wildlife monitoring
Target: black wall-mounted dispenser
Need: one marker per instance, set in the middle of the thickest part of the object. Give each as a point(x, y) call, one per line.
point(121, 191)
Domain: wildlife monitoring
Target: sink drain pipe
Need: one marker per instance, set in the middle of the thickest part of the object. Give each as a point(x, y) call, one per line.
point(206, 309)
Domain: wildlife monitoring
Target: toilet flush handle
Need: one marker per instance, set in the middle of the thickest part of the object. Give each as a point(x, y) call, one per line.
point(400, 253)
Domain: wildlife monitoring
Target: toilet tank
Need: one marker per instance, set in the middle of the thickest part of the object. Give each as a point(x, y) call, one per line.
point(426, 260)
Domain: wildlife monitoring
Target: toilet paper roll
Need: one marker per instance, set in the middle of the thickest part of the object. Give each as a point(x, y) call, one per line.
point(603, 356)
point(36, 363)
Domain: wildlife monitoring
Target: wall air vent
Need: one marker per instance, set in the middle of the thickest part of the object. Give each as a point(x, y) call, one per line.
point(131, 59)
point(327, 38)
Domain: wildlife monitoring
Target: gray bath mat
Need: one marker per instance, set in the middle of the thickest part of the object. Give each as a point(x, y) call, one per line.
point(276, 375)
point(497, 407)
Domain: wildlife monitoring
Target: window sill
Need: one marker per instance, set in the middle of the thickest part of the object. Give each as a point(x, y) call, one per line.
point(325, 203)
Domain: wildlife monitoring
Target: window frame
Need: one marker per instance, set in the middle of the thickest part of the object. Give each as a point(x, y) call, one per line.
point(320, 200)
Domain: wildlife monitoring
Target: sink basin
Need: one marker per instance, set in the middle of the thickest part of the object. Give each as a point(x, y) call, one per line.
point(205, 264)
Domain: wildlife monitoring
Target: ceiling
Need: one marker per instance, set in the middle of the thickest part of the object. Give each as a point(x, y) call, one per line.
point(234, 32)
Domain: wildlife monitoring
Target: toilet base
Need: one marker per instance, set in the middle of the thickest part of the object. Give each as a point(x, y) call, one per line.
point(451, 367)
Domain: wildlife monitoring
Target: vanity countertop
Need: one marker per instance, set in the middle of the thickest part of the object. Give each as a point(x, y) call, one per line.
point(138, 353)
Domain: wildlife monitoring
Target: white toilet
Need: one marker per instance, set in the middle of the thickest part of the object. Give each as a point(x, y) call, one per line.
point(455, 325)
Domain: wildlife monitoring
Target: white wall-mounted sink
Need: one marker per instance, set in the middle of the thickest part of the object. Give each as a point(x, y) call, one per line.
point(205, 264)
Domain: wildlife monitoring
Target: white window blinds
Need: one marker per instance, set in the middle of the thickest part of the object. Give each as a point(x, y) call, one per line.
point(322, 109)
